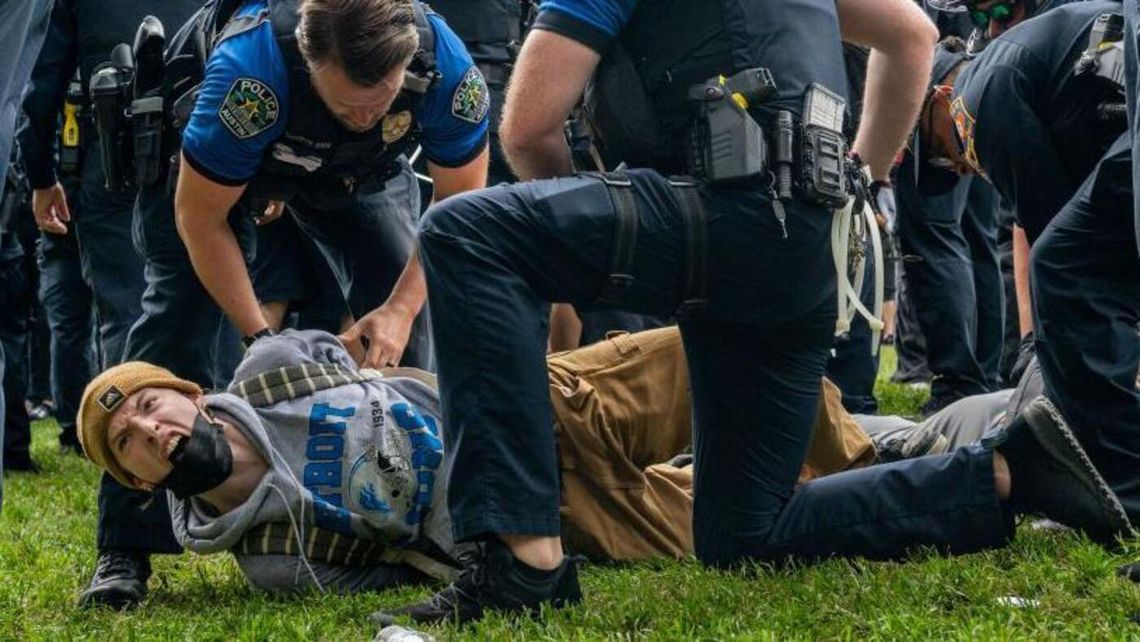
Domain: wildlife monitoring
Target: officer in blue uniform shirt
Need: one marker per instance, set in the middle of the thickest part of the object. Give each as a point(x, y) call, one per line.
point(1038, 124)
point(272, 124)
point(758, 314)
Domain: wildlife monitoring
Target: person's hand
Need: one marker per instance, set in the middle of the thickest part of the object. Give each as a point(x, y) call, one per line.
point(378, 339)
point(272, 212)
point(49, 205)
point(886, 210)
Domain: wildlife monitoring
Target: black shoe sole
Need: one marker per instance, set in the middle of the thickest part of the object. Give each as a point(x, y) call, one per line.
point(1055, 437)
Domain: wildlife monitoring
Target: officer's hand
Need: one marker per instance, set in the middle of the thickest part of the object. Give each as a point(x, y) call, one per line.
point(49, 205)
point(378, 339)
point(272, 212)
point(885, 209)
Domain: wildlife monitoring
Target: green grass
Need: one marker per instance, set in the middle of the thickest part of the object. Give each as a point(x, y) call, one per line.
point(47, 555)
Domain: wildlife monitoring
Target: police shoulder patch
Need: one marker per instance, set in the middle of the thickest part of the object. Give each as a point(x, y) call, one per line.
point(471, 100)
point(111, 397)
point(964, 124)
point(249, 108)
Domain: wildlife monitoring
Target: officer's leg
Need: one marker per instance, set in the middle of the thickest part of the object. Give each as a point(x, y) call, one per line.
point(754, 396)
point(16, 299)
point(979, 227)
point(174, 298)
point(112, 266)
point(368, 248)
point(943, 289)
point(1086, 294)
point(494, 259)
point(910, 344)
point(67, 303)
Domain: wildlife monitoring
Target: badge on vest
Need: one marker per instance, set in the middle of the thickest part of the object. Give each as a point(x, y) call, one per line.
point(249, 108)
point(471, 101)
point(964, 124)
point(394, 126)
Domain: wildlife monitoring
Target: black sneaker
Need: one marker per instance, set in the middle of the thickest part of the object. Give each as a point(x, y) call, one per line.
point(492, 579)
point(119, 581)
point(1052, 475)
point(938, 402)
point(911, 443)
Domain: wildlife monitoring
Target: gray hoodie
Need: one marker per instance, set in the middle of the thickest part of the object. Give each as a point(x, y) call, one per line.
point(362, 459)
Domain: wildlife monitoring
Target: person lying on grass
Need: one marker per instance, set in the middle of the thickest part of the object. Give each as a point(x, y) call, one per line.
point(314, 473)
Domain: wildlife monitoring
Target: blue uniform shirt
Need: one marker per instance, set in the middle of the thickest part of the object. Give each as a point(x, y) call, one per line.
point(233, 155)
point(591, 22)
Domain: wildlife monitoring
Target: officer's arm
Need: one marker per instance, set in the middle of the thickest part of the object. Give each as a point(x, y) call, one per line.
point(901, 39)
point(201, 209)
point(43, 104)
point(549, 78)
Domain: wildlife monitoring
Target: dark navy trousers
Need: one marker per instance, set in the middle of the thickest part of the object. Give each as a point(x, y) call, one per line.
point(956, 284)
point(1085, 275)
point(67, 303)
point(497, 257)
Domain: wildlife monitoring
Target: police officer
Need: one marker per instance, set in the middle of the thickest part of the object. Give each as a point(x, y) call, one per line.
point(954, 281)
point(22, 29)
point(759, 315)
point(989, 19)
point(1038, 125)
point(280, 118)
point(83, 32)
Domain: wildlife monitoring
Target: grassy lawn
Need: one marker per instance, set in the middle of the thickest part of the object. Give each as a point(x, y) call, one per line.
point(1068, 587)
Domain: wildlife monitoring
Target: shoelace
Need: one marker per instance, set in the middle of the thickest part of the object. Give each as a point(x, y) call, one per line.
point(117, 564)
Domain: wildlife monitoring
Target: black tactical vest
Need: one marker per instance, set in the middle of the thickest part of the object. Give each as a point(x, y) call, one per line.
point(637, 102)
point(100, 25)
point(316, 159)
point(487, 27)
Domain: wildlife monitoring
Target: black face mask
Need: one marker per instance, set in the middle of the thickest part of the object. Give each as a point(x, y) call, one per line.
point(201, 462)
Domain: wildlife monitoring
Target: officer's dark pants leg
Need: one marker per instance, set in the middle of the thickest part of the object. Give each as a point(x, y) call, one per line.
point(852, 367)
point(112, 266)
point(67, 303)
point(1086, 293)
point(979, 228)
point(174, 297)
point(910, 344)
point(942, 284)
point(494, 259)
point(368, 247)
point(15, 300)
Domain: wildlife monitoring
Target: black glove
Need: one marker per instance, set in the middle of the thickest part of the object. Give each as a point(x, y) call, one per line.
point(1025, 355)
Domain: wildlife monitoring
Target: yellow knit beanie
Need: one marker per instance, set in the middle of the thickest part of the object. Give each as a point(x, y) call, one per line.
point(105, 394)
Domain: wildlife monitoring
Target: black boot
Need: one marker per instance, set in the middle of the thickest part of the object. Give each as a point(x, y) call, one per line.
point(119, 581)
point(492, 579)
point(1052, 475)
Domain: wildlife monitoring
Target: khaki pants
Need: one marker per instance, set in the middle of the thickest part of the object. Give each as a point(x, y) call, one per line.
point(622, 408)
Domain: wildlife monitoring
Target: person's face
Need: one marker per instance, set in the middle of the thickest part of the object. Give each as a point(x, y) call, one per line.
point(357, 108)
point(944, 147)
point(997, 16)
point(145, 429)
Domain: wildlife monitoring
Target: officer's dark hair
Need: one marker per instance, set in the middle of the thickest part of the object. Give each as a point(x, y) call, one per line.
point(365, 38)
point(953, 44)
